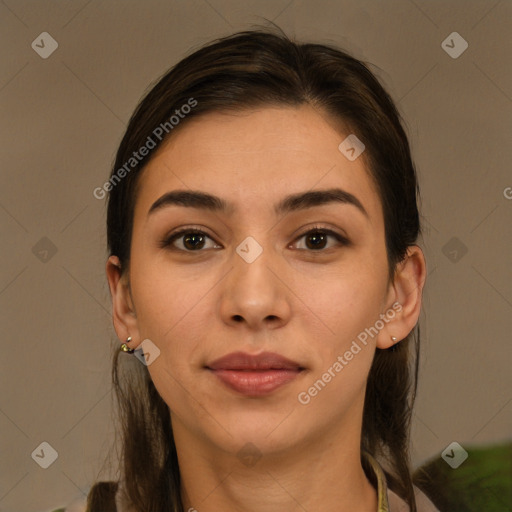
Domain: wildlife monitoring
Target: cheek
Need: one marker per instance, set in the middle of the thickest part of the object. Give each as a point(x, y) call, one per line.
point(175, 311)
point(346, 301)
point(344, 344)
point(175, 316)
point(161, 296)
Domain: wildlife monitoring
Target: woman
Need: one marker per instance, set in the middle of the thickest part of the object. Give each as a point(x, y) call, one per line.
point(265, 278)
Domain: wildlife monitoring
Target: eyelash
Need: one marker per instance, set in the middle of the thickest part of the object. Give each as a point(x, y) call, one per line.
point(168, 241)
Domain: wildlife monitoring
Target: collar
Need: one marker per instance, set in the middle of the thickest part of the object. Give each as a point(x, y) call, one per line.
point(382, 486)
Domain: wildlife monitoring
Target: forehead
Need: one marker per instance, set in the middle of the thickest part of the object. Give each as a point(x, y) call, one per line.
point(254, 158)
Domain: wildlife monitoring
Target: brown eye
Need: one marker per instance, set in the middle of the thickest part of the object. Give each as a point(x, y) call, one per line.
point(317, 239)
point(190, 241)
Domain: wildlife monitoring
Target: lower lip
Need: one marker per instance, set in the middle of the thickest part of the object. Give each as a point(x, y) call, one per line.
point(256, 383)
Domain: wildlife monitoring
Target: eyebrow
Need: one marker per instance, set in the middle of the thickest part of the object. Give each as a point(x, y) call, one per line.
point(291, 203)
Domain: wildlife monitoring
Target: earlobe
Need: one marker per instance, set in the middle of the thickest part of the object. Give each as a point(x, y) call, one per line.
point(407, 293)
point(123, 313)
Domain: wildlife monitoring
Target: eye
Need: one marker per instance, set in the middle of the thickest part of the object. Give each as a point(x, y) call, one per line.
point(191, 240)
point(194, 240)
point(317, 238)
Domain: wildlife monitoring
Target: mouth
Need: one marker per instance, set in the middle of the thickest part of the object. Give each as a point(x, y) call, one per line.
point(257, 375)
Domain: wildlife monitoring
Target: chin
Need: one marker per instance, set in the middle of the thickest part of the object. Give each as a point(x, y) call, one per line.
point(267, 432)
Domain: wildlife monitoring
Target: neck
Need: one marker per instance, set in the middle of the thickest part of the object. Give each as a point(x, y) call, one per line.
point(322, 474)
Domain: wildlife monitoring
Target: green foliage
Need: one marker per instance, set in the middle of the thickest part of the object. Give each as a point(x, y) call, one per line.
point(482, 483)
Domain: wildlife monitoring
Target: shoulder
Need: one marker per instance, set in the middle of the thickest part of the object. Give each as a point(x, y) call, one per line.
point(77, 505)
point(423, 502)
point(102, 496)
point(397, 504)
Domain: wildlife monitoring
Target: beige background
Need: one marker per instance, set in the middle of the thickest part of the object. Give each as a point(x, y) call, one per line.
point(62, 119)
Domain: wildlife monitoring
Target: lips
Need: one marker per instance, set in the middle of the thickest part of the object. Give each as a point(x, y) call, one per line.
point(255, 375)
point(263, 361)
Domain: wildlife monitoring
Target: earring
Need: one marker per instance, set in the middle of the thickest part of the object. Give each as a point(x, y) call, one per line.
point(393, 347)
point(126, 348)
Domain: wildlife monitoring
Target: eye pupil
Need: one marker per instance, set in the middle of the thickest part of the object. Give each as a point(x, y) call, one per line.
point(318, 239)
point(194, 237)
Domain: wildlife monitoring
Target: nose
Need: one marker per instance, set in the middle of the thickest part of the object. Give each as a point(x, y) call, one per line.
point(254, 293)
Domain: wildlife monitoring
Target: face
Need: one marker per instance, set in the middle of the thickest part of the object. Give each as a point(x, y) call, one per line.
point(302, 281)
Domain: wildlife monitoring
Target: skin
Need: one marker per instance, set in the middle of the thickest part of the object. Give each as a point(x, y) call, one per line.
point(304, 303)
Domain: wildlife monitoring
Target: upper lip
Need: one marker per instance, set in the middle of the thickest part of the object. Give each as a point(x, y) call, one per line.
point(244, 361)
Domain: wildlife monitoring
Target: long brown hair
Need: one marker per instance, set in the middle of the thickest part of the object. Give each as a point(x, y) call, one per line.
point(252, 69)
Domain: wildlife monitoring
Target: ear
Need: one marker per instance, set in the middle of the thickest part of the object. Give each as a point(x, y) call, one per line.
point(405, 298)
point(123, 312)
